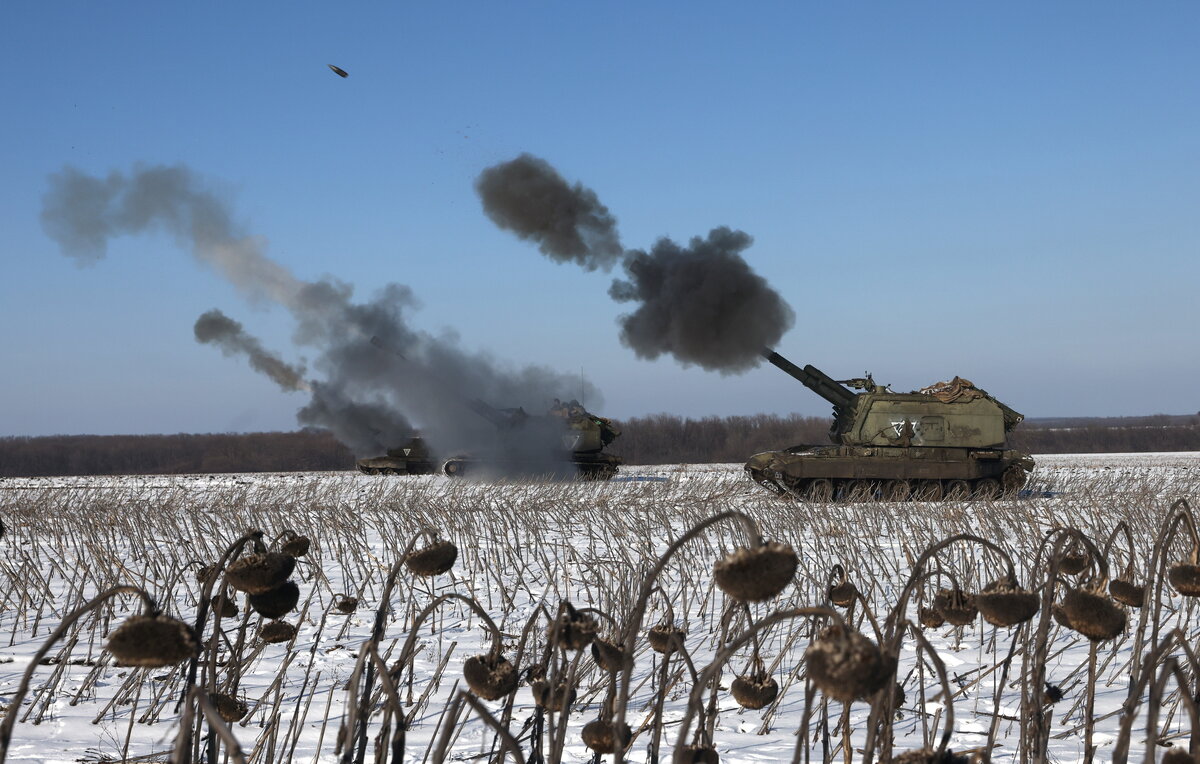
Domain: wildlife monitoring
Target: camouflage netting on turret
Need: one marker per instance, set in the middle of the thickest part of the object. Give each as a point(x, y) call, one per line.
point(962, 391)
point(954, 390)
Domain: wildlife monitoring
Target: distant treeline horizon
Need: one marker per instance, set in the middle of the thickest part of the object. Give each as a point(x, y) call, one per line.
point(655, 439)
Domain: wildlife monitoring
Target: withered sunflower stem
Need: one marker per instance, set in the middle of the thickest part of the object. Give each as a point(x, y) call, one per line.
point(1035, 722)
point(639, 609)
point(449, 723)
point(879, 726)
point(507, 741)
point(866, 609)
point(712, 670)
point(558, 729)
point(393, 706)
point(943, 677)
point(358, 747)
point(14, 704)
point(918, 571)
point(218, 726)
point(1122, 527)
point(410, 643)
point(405, 656)
point(1016, 638)
point(1089, 716)
point(1129, 708)
point(518, 656)
point(205, 596)
point(1156, 573)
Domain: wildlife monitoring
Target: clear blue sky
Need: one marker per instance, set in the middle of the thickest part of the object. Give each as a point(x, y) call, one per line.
point(1008, 192)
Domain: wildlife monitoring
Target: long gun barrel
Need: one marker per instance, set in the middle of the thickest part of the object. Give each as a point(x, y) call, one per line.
point(501, 420)
point(812, 378)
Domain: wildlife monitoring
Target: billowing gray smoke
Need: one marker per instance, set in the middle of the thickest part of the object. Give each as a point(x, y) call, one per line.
point(365, 396)
point(215, 328)
point(701, 304)
point(82, 213)
point(528, 197)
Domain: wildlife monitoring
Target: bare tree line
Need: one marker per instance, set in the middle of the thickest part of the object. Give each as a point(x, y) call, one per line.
point(656, 439)
point(171, 454)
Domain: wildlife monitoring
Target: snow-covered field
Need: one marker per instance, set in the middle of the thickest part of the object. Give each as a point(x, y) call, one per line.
point(527, 546)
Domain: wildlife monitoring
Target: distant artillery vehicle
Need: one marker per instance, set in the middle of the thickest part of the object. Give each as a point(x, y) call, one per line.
point(947, 441)
point(567, 441)
point(412, 458)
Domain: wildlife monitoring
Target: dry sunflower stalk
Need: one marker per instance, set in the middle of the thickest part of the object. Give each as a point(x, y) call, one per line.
point(956, 606)
point(662, 637)
point(489, 676)
point(277, 631)
point(259, 572)
point(1092, 614)
point(758, 573)
point(277, 602)
point(605, 737)
point(153, 641)
point(1004, 603)
point(845, 665)
point(572, 629)
point(432, 560)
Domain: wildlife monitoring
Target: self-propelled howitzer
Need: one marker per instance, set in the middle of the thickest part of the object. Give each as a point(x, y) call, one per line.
point(567, 441)
point(944, 441)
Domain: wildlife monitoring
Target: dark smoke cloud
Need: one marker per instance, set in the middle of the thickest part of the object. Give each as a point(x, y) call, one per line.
point(215, 328)
point(374, 425)
point(528, 197)
point(701, 304)
point(367, 397)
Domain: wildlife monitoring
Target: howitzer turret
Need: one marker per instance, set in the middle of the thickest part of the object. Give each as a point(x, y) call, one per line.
point(946, 440)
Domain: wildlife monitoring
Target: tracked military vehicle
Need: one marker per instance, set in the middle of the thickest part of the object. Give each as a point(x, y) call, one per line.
point(945, 441)
point(412, 458)
point(567, 441)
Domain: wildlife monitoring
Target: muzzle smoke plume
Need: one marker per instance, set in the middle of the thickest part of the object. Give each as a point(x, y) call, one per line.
point(701, 304)
point(528, 197)
point(366, 397)
point(215, 328)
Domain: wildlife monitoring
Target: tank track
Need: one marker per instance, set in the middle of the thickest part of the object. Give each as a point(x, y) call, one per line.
point(414, 468)
point(1008, 485)
point(591, 470)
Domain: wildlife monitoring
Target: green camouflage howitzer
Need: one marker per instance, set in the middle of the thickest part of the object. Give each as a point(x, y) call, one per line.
point(412, 458)
point(943, 441)
point(568, 440)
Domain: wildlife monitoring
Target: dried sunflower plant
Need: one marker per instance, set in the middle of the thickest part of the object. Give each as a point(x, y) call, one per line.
point(688, 617)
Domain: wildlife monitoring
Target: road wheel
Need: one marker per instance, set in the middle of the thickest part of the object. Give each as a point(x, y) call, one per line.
point(1013, 480)
point(819, 490)
point(928, 490)
point(958, 490)
point(986, 489)
point(600, 472)
point(859, 490)
point(896, 490)
point(760, 477)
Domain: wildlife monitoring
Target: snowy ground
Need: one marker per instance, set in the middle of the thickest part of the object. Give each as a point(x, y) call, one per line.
point(525, 545)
